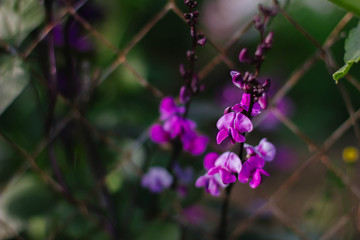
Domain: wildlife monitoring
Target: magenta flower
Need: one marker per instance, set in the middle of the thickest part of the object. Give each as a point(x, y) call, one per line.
point(174, 125)
point(158, 134)
point(227, 164)
point(233, 125)
point(265, 150)
point(157, 179)
point(252, 170)
point(212, 183)
point(193, 143)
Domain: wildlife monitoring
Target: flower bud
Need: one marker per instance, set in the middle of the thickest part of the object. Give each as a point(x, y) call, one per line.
point(244, 56)
point(263, 101)
point(185, 94)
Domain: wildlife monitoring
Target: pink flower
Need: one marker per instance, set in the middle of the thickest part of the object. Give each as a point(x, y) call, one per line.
point(226, 165)
point(233, 125)
point(265, 150)
point(252, 170)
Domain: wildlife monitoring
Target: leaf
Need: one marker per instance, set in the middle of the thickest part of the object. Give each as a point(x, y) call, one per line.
point(349, 5)
point(352, 53)
point(18, 18)
point(13, 79)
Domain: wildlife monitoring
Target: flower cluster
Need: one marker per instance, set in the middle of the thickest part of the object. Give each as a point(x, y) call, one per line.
point(223, 170)
point(175, 126)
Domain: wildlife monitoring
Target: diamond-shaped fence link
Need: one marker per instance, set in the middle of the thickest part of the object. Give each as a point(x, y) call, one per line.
point(319, 152)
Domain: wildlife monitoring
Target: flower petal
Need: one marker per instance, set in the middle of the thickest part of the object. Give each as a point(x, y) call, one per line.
point(222, 134)
point(245, 173)
point(226, 176)
point(226, 121)
point(213, 188)
point(158, 135)
point(202, 181)
point(266, 149)
point(242, 123)
point(209, 160)
point(237, 136)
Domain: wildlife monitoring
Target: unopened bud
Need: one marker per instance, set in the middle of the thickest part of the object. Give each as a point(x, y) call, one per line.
point(244, 56)
point(263, 101)
point(185, 94)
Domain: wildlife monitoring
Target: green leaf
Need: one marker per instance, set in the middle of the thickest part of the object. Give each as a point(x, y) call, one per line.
point(18, 18)
point(13, 79)
point(352, 53)
point(349, 5)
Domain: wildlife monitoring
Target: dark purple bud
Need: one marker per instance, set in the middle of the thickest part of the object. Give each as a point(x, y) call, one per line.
point(182, 70)
point(244, 56)
point(185, 94)
point(202, 87)
point(263, 101)
point(227, 110)
point(196, 14)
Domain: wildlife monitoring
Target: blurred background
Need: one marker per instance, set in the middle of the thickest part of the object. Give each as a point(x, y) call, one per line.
point(92, 137)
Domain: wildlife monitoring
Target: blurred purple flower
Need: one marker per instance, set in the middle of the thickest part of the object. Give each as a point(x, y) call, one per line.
point(157, 179)
point(176, 126)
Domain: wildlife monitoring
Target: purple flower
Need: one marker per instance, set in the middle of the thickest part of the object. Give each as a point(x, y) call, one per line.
point(245, 104)
point(212, 184)
point(194, 143)
point(227, 164)
point(233, 125)
point(169, 108)
point(157, 179)
point(266, 150)
point(158, 134)
point(252, 170)
point(176, 126)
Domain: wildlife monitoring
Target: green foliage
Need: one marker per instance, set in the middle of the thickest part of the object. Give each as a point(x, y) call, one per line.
point(13, 79)
point(160, 231)
point(349, 5)
point(352, 53)
point(18, 18)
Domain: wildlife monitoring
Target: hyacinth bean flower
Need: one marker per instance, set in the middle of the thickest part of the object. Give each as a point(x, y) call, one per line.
point(245, 104)
point(169, 108)
point(226, 165)
point(157, 179)
point(233, 125)
point(266, 150)
point(252, 170)
point(211, 183)
point(174, 125)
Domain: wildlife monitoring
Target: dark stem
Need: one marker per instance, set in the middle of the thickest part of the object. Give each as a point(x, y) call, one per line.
point(99, 173)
